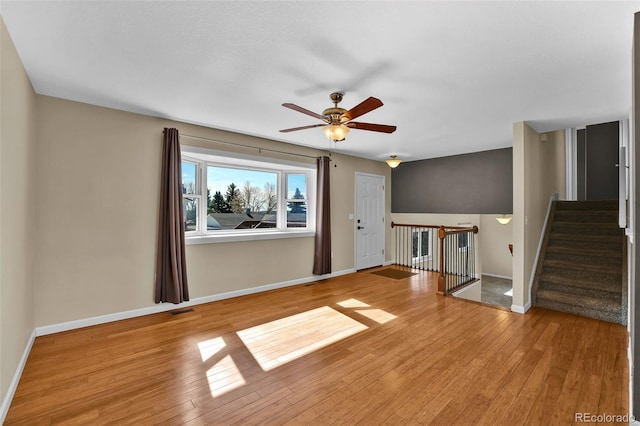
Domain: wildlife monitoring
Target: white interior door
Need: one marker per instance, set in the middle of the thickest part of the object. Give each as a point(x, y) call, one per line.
point(369, 220)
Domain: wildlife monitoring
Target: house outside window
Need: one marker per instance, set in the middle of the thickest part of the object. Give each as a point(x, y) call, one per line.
point(190, 195)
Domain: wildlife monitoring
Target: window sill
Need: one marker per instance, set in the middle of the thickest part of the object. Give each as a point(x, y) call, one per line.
point(229, 238)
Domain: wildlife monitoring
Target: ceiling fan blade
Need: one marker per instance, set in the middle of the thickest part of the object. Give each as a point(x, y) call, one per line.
point(373, 127)
point(363, 107)
point(304, 111)
point(293, 129)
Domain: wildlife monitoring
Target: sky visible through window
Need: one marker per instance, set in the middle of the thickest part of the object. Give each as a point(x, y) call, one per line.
point(224, 177)
point(219, 179)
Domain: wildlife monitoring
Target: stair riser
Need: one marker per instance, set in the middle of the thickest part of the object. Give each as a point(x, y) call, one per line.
point(571, 229)
point(584, 217)
point(587, 205)
point(610, 245)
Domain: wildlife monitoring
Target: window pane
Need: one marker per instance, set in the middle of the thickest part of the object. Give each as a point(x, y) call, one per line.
point(296, 215)
point(190, 213)
point(296, 206)
point(296, 186)
point(188, 178)
point(425, 243)
point(241, 199)
point(463, 240)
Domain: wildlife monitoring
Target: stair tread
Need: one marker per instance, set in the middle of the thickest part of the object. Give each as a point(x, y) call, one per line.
point(594, 237)
point(606, 268)
point(573, 224)
point(612, 278)
point(557, 281)
point(608, 212)
point(583, 251)
point(615, 316)
point(587, 302)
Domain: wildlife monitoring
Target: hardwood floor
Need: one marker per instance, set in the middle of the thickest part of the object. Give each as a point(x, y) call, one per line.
point(357, 349)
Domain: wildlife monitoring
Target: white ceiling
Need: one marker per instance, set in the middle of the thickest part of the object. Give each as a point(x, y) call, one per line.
point(453, 76)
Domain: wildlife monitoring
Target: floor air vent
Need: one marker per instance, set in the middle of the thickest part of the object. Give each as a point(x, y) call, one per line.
point(182, 311)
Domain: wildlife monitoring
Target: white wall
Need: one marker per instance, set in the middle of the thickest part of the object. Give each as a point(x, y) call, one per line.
point(493, 244)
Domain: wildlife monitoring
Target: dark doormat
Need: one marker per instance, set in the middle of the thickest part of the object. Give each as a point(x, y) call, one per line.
point(396, 274)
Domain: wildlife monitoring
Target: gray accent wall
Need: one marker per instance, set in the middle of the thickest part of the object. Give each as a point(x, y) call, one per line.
point(476, 183)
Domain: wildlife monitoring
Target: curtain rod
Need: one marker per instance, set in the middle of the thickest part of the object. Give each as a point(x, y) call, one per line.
point(250, 146)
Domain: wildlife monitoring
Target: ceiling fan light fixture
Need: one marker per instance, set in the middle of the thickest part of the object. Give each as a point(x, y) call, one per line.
point(336, 132)
point(393, 162)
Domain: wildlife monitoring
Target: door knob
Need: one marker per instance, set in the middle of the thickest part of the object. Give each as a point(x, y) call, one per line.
point(360, 227)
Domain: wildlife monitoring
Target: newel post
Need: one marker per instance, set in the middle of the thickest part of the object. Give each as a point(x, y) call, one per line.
point(441, 284)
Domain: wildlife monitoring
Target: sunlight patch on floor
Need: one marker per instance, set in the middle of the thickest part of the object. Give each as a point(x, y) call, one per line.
point(224, 377)
point(353, 303)
point(509, 293)
point(377, 315)
point(209, 348)
point(283, 340)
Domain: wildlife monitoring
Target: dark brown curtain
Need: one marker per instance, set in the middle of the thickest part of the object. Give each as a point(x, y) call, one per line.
point(171, 266)
point(322, 257)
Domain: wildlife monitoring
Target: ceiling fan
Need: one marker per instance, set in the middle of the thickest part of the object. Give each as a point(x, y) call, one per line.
point(337, 121)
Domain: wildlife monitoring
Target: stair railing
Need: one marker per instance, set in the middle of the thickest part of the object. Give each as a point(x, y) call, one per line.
point(449, 250)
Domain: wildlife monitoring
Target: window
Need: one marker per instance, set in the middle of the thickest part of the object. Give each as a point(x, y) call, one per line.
point(190, 197)
point(421, 247)
point(296, 200)
point(463, 241)
point(239, 198)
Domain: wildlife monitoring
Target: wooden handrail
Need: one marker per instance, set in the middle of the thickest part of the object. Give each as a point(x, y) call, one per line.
point(417, 247)
point(393, 224)
point(474, 228)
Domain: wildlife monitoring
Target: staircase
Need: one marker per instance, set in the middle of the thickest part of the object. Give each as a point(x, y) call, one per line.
point(581, 264)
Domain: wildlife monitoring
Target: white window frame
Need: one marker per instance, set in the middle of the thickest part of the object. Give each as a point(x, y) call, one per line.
point(421, 257)
point(204, 157)
point(197, 196)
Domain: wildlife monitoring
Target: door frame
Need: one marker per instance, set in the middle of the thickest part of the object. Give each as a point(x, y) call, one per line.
point(571, 168)
point(384, 211)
